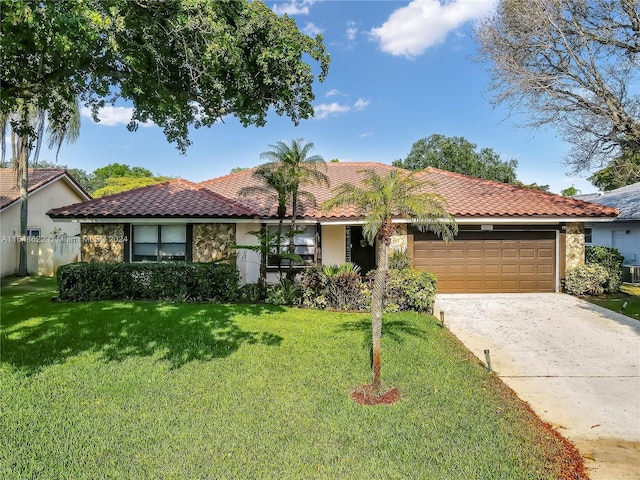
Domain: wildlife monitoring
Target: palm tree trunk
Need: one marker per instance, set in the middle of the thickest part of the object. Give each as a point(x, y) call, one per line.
point(377, 299)
point(292, 246)
point(264, 258)
point(279, 247)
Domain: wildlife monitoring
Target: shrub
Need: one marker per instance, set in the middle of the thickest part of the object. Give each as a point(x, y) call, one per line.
point(313, 284)
point(331, 271)
point(399, 259)
point(175, 281)
point(411, 290)
point(252, 293)
point(346, 292)
point(285, 292)
point(408, 290)
point(611, 260)
point(334, 287)
point(586, 280)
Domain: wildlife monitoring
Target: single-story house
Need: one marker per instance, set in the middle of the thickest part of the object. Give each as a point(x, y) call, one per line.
point(624, 232)
point(49, 244)
point(511, 239)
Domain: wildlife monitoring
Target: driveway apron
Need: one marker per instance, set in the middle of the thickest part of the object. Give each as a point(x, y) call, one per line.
point(576, 364)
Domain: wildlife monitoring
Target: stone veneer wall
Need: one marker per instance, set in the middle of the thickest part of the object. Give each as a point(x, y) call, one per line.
point(574, 244)
point(399, 239)
point(211, 241)
point(102, 242)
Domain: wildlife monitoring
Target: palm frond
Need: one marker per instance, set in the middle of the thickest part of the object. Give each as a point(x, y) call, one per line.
point(64, 128)
point(397, 194)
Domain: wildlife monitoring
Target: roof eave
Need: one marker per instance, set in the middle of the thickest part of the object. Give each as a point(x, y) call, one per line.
point(153, 219)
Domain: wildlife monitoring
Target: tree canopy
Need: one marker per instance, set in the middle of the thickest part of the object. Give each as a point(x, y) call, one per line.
point(623, 170)
point(110, 179)
point(122, 184)
point(573, 65)
point(181, 63)
point(456, 154)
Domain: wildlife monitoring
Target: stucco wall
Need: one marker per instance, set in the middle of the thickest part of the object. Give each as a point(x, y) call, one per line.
point(333, 244)
point(43, 258)
point(102, 242)
point(625, 236)
point(574, 245)
point(247, 261)
point(211, 241)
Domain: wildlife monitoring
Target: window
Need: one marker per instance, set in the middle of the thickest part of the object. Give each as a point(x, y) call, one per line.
point(304, 242)
point(159, 243)
point(33, 232)
point(588, 236)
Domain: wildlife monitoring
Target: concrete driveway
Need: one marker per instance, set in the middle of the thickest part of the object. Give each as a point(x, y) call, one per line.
point(576, 364)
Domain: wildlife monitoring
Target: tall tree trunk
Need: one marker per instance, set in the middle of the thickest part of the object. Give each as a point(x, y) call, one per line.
point(23, 183)
point(279, 247)
point(291, 273)
point(377, 298)
point(264, 258)
point(24, 216)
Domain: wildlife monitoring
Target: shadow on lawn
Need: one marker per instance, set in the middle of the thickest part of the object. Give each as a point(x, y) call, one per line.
point(392, 329)
point(37, 332)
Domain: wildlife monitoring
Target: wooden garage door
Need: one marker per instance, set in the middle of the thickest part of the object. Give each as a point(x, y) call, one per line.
point(489, 262)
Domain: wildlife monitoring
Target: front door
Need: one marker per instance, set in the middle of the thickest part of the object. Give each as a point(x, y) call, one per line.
point(362, 254)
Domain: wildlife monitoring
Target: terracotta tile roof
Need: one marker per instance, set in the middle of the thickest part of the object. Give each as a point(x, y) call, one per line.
point(475, 197)
point(467, 197)
point(220, 197)
point(38, 177)
point(176, 198)
point(337, 172)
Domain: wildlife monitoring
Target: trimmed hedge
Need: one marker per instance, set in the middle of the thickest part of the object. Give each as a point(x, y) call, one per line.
point(174, 281)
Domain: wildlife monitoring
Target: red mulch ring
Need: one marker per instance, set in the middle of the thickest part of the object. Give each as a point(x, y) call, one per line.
point(365, 395)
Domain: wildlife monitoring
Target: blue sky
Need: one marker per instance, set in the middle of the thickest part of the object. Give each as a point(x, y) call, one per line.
point(400, 71)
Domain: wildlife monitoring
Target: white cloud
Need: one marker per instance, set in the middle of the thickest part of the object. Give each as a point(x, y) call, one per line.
point(352, 30)
point(411, 30)
point(332, 93)
point(361, 104)
point(325, 110)
point(111, 116)
point(311, 29)
point(293, 7)
point(366, 134)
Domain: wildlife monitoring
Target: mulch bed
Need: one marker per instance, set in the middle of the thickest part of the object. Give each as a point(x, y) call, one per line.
point(366, 395)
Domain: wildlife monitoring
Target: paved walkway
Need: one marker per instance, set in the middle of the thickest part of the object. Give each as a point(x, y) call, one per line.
point(576, 364)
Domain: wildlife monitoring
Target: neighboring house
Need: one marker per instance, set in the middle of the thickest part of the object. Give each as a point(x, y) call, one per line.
point(511, 239)
point(624, 232)
point(49, 244)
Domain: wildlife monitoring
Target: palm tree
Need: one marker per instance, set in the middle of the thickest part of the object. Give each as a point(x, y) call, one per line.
point(273, 184)
point(296, 169)
point(25, 141)
point(382, 198)
point(287, 169)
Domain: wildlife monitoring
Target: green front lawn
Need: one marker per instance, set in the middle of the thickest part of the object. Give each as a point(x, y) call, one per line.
point(629, 295)
point(133, 390)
